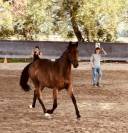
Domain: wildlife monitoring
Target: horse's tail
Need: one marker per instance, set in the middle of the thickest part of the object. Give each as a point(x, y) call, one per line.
point(24, 78)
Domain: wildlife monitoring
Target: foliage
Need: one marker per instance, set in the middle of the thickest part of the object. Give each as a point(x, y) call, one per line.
point(97, 20)
point(6, 27)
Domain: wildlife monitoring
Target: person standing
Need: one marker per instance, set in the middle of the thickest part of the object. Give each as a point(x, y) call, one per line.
point(36, 53)
point(96, 65)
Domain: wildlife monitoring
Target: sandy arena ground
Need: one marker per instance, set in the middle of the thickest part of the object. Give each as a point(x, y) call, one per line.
point(103, 110)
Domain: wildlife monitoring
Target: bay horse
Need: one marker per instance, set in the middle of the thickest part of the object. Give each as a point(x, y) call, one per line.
point(52, 74)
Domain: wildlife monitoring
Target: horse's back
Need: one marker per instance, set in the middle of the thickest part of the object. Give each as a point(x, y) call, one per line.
point(41, 65)
point(43, 71)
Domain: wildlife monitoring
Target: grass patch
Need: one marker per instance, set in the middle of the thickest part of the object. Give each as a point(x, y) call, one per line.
point(16, 60)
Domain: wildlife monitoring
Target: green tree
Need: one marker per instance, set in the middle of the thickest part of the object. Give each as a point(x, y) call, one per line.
point(6, 28)
point(35, 21)
point(99, 16)
point(95, 20)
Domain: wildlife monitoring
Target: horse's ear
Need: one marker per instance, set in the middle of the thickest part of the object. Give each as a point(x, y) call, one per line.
point(76, 44)
point(70, 45)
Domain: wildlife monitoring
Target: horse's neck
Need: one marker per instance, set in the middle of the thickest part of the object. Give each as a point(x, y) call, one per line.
point(36, 57)
point(64, 64)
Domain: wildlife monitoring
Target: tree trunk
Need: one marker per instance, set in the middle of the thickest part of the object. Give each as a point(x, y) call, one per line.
point(75, 26)
point(87, 34)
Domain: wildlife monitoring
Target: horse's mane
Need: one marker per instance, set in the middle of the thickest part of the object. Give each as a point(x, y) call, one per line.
point(62, 56)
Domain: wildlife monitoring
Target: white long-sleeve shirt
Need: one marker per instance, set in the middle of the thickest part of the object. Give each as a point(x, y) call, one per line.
point(96, 58)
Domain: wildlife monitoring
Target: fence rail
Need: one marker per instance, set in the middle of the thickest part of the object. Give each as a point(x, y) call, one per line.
point(51, 50)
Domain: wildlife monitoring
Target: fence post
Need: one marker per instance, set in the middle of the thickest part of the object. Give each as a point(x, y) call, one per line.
point(5, 60)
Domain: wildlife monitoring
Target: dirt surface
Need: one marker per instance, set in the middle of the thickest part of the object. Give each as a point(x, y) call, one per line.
point(82, 66)
point(103, 110)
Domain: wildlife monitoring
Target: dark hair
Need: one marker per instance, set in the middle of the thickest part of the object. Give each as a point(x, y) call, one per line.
point(97, 49)
point(37, 47)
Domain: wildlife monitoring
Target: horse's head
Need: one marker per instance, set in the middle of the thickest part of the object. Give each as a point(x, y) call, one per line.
point(73, 54)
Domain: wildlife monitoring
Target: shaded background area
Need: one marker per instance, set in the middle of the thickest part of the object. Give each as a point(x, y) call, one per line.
point(52, 50)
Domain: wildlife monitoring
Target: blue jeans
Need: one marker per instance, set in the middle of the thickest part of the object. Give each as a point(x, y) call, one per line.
point(96, 75)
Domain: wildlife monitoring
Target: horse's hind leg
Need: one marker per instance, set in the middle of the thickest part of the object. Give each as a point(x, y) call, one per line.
point(40, 98)
point(55, 93)
point(34, 98)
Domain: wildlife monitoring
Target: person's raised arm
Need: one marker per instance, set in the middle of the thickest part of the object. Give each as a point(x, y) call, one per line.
point(41, 54)
point(32, 53)
point(103, 51)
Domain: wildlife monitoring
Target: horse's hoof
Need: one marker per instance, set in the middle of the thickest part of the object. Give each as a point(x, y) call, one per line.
point(49, 111)
point(47, 115)
point(78, 117)
point(30, 106)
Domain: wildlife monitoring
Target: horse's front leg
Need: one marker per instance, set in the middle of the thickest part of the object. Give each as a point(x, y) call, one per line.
point(70, 91)
point(55, 94)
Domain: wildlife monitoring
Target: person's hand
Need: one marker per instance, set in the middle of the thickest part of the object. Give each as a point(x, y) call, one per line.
point(102, 49)
point(36, 52)
point(104, 52)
